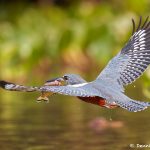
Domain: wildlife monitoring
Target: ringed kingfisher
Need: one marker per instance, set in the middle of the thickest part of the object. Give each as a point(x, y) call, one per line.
point(107, 89)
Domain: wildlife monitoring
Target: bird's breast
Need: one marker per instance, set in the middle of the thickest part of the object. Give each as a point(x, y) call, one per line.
point(98, 101)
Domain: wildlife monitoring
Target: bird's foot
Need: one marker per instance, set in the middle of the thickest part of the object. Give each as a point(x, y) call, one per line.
point(38, 101)
point(43, 98)
point(46, 100)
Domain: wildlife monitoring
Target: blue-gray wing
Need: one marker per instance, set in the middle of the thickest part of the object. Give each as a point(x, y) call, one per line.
point(82, 91)
point(133, 59)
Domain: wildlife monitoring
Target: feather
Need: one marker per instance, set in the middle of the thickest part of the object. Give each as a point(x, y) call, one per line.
point(133, 59)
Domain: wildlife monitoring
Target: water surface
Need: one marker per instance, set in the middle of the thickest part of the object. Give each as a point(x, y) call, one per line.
point(65, 123)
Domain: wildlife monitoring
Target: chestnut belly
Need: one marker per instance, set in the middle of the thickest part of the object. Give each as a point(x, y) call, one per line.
point(98, 101)
point(94, 100)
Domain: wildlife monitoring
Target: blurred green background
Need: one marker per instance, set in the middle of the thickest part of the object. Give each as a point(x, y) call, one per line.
point(42, 39)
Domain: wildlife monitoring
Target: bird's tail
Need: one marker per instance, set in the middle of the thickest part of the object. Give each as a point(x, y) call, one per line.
point(133, 105)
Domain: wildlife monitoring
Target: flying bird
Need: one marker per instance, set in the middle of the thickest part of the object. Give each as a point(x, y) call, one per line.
point(107, 90)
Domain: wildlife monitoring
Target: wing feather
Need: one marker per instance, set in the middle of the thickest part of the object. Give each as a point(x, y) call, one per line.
point(82, 91)
point(133, 59)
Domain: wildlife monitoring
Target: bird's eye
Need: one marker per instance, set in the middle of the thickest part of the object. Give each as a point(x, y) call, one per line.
point(65, 77)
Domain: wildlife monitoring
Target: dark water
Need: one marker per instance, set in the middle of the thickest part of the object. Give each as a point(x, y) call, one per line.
point(66, 123)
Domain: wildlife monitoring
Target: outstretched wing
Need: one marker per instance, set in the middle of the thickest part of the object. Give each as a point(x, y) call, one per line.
point(81, 90)
point(133, 59)
point(16, 87)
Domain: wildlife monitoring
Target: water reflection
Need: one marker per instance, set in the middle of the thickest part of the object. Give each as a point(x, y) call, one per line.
point(64, 124)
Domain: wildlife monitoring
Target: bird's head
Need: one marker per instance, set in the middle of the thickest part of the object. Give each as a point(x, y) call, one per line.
point(72, 79)
point(67, 79)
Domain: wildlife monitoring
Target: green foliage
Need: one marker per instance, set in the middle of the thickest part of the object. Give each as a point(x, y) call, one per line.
point(37, 41)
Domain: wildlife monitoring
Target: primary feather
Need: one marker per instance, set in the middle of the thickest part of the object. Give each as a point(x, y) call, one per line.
point(133, 59)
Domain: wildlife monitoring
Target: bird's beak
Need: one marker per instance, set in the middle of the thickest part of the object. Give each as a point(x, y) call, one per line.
point(55, 82)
